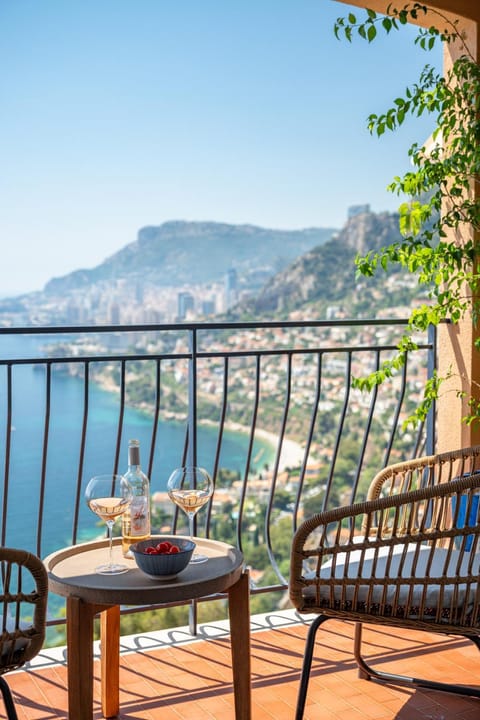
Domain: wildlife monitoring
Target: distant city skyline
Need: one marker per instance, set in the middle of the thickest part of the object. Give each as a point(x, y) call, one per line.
point(117, 115)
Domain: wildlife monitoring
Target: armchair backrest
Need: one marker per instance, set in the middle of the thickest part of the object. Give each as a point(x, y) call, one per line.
point(429, 471)
point(23, 607)
point(409, 554)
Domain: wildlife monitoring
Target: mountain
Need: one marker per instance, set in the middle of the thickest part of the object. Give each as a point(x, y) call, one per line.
point(181, 252)
point(281, 274)
point(325, 275)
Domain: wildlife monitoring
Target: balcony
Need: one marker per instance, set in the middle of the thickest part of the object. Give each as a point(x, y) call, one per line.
point(274, 399)
point(167, 676)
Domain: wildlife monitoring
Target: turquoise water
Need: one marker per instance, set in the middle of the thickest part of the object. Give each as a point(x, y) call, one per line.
point(64, 436)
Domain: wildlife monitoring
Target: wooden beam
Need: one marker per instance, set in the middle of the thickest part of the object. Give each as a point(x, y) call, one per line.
point(469, 9)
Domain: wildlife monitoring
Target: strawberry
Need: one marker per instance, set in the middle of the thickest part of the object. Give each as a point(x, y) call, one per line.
point(164, 547)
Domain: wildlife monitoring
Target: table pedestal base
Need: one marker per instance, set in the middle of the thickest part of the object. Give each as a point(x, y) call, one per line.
point(80, 616)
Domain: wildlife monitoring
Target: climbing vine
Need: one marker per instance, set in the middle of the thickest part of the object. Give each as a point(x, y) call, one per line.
point(441, 192)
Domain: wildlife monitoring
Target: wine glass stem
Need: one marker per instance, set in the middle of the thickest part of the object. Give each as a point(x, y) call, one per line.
point(190, 524)
point(110, 538)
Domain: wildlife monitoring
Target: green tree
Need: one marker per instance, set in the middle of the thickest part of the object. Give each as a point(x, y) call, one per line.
point(227, 477)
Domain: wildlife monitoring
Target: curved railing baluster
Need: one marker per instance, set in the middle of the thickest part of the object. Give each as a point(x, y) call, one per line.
point(81, 457)
point(8, 442)
point(218, 448)
point(248, 364)
point(268, 513)
point(156, 415)
point(43, 474)
point(348, 376)
point(248, 460)
point(121, 415)
point(366, 433)
point(308, 445)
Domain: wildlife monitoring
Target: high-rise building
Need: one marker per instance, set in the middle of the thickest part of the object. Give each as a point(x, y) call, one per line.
point(139, 292)
point(208, 307)
point(185, 303)
point(114, 313)
point(231, 288)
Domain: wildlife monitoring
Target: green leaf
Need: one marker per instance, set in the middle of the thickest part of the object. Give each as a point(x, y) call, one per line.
point(449, 274)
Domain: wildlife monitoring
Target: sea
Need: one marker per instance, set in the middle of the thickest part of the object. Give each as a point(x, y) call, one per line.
point(28, 429)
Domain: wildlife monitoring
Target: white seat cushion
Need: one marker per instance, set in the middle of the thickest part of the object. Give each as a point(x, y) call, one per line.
point(405, 562)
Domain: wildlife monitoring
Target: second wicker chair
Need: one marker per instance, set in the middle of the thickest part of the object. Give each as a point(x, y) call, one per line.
point(409, 556)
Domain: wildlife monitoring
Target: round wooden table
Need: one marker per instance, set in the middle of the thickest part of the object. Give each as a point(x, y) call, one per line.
point(71, 573)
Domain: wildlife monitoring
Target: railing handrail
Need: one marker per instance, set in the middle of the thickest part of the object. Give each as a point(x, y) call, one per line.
point(143, 327)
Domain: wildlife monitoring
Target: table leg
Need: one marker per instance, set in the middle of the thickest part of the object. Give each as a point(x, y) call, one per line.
point(110, 661)
point(80, 659)
point(239, 612)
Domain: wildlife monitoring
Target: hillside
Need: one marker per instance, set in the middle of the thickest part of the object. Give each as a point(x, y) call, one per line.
point(281, 274)
point(181, 252)
point(325, 275)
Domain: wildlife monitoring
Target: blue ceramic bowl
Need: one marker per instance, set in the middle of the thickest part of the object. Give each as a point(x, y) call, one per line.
point(164, 565)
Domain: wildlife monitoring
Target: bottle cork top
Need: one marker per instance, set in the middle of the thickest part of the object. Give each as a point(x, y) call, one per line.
point(133, 452)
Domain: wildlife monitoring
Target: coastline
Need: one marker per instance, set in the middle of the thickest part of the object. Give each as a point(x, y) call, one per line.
point(292, 455)
point(292, 452)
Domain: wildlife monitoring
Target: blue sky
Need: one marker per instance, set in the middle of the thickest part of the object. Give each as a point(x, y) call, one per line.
point(116, 114)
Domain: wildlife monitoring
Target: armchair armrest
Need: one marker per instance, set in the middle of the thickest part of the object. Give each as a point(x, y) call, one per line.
point(402, 556)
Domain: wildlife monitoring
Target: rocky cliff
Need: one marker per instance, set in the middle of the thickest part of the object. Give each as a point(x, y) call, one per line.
point(327, 272)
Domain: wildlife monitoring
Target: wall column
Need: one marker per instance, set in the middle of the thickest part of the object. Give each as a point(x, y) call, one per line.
point(456, 347)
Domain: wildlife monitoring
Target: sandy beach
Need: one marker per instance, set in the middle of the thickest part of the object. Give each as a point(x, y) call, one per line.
point(292, 452)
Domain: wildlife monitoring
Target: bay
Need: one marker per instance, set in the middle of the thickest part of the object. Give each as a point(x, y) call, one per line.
point(64, 431)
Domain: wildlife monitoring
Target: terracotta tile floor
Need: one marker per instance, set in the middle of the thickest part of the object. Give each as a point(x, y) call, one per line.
point(192, 680)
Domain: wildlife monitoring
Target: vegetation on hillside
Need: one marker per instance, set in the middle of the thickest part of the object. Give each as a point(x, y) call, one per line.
point(317, 280)
point(165, 255)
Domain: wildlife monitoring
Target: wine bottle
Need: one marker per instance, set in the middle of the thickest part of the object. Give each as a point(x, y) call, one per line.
point(136, 520)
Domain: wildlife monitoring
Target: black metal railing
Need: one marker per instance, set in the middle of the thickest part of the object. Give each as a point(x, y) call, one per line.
point(268, 408)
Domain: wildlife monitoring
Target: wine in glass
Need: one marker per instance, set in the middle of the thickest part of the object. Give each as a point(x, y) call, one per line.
point(190, 488)
point(109, 496)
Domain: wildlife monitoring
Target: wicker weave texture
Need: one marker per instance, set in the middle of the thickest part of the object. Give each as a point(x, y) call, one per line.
point(408, 556)
point(23, 607)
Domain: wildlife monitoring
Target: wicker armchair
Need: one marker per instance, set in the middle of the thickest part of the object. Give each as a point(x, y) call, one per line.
point(23, 606)
point(408, 557)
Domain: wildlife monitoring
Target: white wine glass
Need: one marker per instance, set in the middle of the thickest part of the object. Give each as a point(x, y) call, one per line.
point(109, 496)
point(190, 488)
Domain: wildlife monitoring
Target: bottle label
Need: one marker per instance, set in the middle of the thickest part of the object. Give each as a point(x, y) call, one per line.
point(139, 524)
